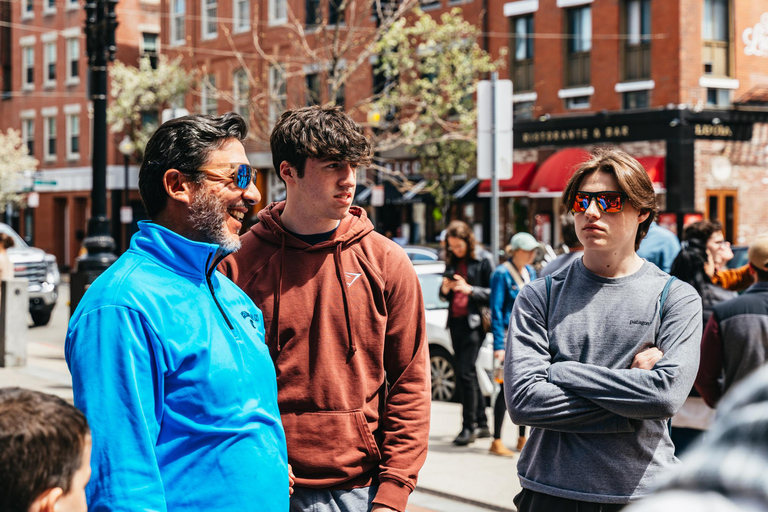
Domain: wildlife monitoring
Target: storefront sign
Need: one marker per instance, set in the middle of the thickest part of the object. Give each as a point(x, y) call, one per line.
point(577, 135)
point(719, 131)
point(404, 167)
point(756, 38)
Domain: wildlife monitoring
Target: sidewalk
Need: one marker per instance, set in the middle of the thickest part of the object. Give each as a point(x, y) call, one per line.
point(454, 479)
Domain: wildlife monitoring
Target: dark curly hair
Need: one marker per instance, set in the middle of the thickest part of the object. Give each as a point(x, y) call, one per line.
point(460, 230)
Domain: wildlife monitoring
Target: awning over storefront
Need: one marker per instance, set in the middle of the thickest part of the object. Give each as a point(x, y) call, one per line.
point(654, 166)
point(516, 186)
point(554, 173)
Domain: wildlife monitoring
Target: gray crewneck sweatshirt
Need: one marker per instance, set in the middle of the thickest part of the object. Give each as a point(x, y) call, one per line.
point(599, 428)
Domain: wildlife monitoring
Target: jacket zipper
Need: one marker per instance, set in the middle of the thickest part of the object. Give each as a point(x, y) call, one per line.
point(208, 275)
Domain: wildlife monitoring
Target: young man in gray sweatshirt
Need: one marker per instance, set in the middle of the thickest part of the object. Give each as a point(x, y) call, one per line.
point(600, 361)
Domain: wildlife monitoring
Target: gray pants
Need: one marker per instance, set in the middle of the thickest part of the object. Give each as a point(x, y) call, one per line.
point(319, 500)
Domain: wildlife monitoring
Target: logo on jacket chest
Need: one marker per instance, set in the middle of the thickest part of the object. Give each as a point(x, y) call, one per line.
point(252, 318)
point(352, 277)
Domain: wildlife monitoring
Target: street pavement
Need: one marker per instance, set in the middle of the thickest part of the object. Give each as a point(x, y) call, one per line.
point(454, 479)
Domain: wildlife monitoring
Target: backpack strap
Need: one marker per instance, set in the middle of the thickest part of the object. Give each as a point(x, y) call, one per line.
point(664, 294)
point(548, 282)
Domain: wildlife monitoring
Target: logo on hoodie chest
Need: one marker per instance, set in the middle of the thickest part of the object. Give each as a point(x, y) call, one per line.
point(352, 277)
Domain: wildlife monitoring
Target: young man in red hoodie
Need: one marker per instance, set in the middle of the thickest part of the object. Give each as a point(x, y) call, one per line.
point(344, 320)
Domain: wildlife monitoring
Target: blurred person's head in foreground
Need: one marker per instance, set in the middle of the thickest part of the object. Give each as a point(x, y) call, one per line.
point(45, 453)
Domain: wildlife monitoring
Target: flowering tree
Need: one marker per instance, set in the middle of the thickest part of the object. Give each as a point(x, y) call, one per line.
point(139, 94)
point(14, 160)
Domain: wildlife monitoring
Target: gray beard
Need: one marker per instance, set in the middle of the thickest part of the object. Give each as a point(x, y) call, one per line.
point(208, 216)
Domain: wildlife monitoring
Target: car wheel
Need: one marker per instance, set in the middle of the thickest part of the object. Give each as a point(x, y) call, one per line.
point(41, 317)
point(443, 374)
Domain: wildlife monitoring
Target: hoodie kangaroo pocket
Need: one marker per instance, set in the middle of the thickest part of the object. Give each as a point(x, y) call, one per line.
point(329, 446)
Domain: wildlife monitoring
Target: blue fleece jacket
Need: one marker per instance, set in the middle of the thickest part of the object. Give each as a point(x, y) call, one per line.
point(504, 291)
point(170, 367)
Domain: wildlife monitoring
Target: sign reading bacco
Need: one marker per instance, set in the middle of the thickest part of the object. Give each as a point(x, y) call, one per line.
point(756, 38)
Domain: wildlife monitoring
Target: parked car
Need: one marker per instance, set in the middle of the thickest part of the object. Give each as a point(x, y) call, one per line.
point(441, 358)
point(42, 271)
point(419, 254)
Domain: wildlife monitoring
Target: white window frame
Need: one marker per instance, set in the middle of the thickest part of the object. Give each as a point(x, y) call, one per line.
point(47, 9)
point(206, 6)
point(641, 85)
point(73, 80)
point(239, 23)
point(209, 93)
point(153, 30)
point(25, 14)
point(49, 43)
point(237, 101)
point(73, 5)
point(27, 45)
point(48, 114)
point(512, 9)
point(275, 95)
point(173, 18)
point(275, 17)
point(71, 117)
point(27, 116)
point(572, 3)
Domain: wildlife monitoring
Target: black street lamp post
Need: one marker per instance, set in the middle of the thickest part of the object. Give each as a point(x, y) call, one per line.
point(100, 24)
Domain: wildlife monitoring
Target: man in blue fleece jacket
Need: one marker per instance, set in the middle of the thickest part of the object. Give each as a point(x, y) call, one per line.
point(602, 354)
point(167, 355)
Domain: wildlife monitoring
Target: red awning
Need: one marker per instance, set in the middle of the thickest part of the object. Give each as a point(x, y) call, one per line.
point(654, 166)
point(554, 173)
point(517, 185)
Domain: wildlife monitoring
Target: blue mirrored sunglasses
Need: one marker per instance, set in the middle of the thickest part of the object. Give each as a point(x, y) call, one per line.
point(242, 174)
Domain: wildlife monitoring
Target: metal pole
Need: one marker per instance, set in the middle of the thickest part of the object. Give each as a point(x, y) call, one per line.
point(494, 178)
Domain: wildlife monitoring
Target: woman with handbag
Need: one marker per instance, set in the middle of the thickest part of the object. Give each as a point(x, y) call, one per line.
point(466, 287)
point(506, 282)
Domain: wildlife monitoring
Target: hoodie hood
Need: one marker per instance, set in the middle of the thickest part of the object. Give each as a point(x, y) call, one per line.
point(353, 227)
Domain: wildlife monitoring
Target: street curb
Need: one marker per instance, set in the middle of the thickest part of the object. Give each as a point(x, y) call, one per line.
point(461, 499)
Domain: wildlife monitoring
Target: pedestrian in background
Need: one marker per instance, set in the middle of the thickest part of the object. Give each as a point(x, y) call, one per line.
point(601, 354)
point(571, 241)
point(506, 282)
point(345, 324)
point(467, 288)
point(167, 356)
point(659, 246)
point(6, 266)
point(695, 266)
point(735, 339)
point(45, 453)
point(711, 232)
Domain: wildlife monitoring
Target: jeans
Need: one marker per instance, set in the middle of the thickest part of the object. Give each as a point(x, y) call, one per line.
point(466, 345)
point(304, 499)
point(532, 501)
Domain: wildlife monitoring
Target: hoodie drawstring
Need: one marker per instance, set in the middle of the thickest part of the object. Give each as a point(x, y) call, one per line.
point(342, 280)
point(276, 304)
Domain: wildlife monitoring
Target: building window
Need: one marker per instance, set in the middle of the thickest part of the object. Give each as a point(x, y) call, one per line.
point(577, 103)
point(314, 16)
point(28, 67)
point(579, 45)
point(28, 134)
point(150, 48)
point(27, 9)
point(313, 89)
point(278, 12)
point(715, 32)
point(335, 16)
point(73, 136)
point(50, 63)
point(208, 18)
point(178, 12)
point(522, 110)
point(277, 93)
point(430, 4)
point(339, 97)
point(50, 138)
point(718, 97)
point(637, 45)
point(721, 206)
point(242, 17)
point(521, 57)
point(209, 96)
point(635, 99)
point(242, 94)
point(73, 4)
point(73, 60)
point(49, 6)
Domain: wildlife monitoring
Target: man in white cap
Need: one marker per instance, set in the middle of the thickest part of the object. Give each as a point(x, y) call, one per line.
point(736, 337)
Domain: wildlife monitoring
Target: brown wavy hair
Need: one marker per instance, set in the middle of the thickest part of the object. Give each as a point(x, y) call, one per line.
point(461, 230)
point(632, 179)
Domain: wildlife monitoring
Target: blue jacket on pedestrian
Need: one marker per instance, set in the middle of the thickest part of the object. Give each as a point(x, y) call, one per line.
point(504, 291)
point(170, 367)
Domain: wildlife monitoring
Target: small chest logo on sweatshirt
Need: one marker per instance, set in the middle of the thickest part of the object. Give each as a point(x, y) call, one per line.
point(639, 322)
point(352, 277)
point(254, 321)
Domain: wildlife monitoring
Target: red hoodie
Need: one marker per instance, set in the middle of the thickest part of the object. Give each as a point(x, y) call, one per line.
point(346, 333)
